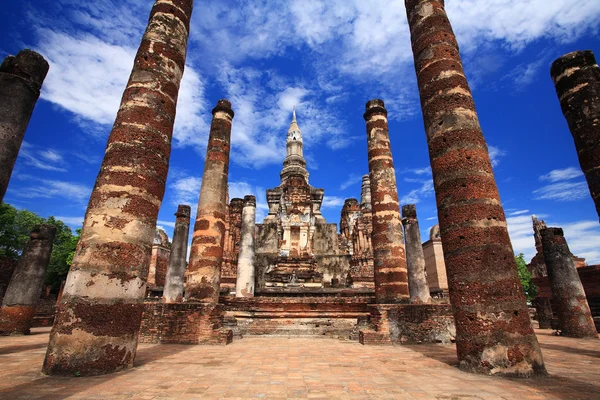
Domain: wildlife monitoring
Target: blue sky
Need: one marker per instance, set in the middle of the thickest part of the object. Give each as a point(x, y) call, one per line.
point(327, 58)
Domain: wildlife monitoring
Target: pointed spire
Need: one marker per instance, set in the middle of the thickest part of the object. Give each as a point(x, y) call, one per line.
point(294, 114)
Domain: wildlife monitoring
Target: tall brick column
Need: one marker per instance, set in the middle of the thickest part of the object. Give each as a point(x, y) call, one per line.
point(494, 334)
point(177, 261)
point(415, 259)
point(203, 275)
point(25, 287)
point(568, 297)
point(391, 282)
point(365, 193)
point(21, 79)
point(244, 285)
point(577, 79)
point(97, 322)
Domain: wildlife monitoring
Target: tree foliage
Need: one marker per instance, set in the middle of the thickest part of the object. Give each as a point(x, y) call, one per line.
point(525, 277)
point(15, 227)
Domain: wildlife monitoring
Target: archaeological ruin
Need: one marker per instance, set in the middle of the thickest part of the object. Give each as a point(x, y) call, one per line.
point(371, 280)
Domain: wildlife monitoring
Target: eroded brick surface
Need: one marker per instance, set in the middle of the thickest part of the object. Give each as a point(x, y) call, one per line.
point(494, 334)
point(391, 281)
point(568, 296)
point(100, 311)
point(206, 255)
point(415, 259)
point(577, 79)
point(21, 79)
point(177, 260)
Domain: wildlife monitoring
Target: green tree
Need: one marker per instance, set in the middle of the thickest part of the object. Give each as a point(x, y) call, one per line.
point(525, 277)
point(15, 228)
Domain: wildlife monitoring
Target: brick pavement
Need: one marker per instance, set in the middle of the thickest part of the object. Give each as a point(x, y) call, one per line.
point(283, 368)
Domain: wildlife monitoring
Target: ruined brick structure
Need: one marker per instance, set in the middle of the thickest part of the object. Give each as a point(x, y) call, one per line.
point(577, 79)
point(415, 259)
point(99, 316)
point(537, 265)
point(206, 255)
point(22, 296)
point(494, 334)
point(296, 249)
point(435, 267)
point(159, 263)
point(389, 259)
point(568, 296)
point(173, 290)
point(231, 244)
point(21, 79)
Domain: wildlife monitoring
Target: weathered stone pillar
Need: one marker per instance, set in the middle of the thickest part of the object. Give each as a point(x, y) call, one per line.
point(203, 274)
point(415, 260)
point(244, 285)
point(21, 79)
point(97, 322)
point(494, 334)
point(25, 287)
point(543, 310)
point(177, 262)
point(577, 79)
point(391, 282)
point(568, 297)
point(365, 194)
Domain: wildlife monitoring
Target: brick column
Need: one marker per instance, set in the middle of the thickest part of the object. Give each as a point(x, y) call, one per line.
point(415, 259)
point(365, 193)
point(577, 79)
point(97, 322)
point(203, 277)
point(543, 310)
point(21, 79)
point(244, 286)
point(568, 297)
point(391, 282)
point(177, 261)
point(25, 287)
point(494, 335)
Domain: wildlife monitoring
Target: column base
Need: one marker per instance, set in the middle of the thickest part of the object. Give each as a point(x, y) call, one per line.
point(184, 323)
point(409, 324)
point(16, 320)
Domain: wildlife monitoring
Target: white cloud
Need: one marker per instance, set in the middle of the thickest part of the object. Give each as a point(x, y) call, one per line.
point(562, 174)
point(332, 202)
point(416, 195)
point(73, 222)
point(47, 188)
point(514, 213)
point(417, 171)
point(562, 191)
point(49, 159)
point(186, 190)
point(353, 179)
point(495, 155)
point(520, 230)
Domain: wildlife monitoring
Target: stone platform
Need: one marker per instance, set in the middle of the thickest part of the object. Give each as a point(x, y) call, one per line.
point(299, 368)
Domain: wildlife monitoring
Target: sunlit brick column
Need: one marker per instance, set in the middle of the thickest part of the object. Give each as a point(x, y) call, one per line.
point(493, 331)
point(415, 259)
point(365, 193)
point(21, 79)
point(203, 275)
point(244, 285)
point(568, 297)
point(177, 261)
point(97, 322)
point(25, 287)
point(577, 79)
point(391, 282)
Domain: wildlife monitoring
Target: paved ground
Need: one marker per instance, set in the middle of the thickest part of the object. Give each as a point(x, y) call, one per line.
point(280, 368)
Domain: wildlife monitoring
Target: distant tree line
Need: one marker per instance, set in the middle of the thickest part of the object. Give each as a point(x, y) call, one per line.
point(15, 227)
